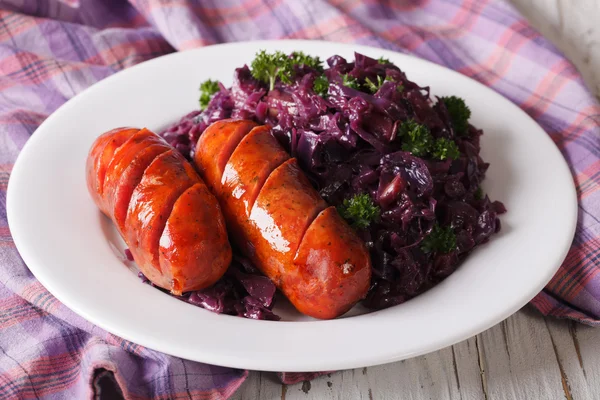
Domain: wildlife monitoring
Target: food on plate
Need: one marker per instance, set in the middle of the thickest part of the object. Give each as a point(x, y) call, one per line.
point(402, 167)
point(280, 222)
point(161, 207)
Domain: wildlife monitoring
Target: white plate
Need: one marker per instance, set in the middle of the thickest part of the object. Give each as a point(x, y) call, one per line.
point(77, 256)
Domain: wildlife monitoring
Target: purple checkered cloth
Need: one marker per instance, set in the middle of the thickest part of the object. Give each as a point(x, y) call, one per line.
point(50, 50)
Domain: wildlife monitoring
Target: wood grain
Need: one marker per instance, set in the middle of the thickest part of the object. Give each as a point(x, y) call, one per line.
point(526, 356)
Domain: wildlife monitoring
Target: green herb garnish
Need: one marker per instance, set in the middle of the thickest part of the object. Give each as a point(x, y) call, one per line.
point(350, 82)
point(359, 211)
point(416, 138)
point(207, 89)
point(268, 67)
point(299, 58)
point(382, 60)
point(444, 148)
point(439, 240)
point(478, 194)
point(321, 85)
point(459, 114)
point(374, 87)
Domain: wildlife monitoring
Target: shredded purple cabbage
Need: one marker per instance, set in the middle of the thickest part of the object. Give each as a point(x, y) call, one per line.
point(347, 144)
point(243, 291)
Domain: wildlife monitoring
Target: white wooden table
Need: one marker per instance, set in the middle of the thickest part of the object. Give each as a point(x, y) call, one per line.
point(525, 357)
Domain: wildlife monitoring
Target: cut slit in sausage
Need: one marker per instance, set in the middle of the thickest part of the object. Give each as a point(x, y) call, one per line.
point(128, 181)
point(251, 163)
point(186, 229)
point(285, 207)
point(99, 159)
point(126, 170)
point(120, 159)
point(219, 148)
point(165, 179)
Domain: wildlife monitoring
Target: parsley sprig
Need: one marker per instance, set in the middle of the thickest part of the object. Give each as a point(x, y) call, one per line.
point(359, 210)
point(479, 195)
point(350, 81)
point(321, 85)
point(207, 89)
point(439, 240)
point(445, 148)
point(268, 67)
point(417, 140)
point(301, 59)
point(459, 114)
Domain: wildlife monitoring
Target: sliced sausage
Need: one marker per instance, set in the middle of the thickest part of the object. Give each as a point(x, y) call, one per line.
point(220, 141)
point(167, 216)
point(253, 160)
point(126, 169)
point(186, 229)
point(280, 222)
point(165, 179)
point(284, 208)
point(129, 180)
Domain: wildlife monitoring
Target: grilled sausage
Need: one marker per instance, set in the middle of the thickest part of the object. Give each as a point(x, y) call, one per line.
point(279, 220)
point(170, 220)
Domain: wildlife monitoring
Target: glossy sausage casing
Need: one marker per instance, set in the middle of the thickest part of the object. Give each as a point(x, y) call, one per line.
point(280, 222)
point(170, 220)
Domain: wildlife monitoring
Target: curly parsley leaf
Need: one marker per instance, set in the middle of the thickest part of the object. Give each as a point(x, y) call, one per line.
point(207, 89)
point(359, 211)
point(459, 114)
point(267, 67)
point(350, 82)
point(382, 60)
point(478, 194)
point(372, 86)
point(299, 58)
point(321, 85)
point(439, 240)
point(416, 138)
point(445, 148)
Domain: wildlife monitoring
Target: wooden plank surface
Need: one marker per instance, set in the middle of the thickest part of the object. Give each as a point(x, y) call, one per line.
point(525, 357)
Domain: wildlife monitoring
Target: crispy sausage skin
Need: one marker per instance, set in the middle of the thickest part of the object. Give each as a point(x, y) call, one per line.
point(279, 220)
point(170, 220)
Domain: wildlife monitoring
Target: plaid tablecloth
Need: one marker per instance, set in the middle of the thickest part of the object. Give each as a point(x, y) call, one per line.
point(50, 50)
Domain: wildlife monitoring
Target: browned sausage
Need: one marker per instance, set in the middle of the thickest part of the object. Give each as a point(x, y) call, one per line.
point(169, 219)
point(280, 222)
